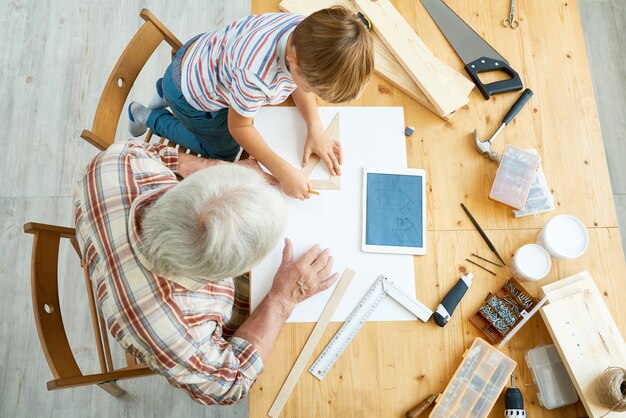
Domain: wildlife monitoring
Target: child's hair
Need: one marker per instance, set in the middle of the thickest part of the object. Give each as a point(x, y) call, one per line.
point(335, 53)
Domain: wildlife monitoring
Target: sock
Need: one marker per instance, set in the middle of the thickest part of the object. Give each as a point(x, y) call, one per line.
point(138, 115)
point(158, 101)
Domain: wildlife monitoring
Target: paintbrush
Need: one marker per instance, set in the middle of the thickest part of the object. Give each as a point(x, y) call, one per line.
point(482, 233)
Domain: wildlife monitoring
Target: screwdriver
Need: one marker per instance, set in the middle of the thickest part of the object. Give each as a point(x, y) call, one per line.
point(513, 401)
point(451, 300)
point(421, 407)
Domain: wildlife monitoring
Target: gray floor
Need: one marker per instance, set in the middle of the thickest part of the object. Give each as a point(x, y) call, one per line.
point(55, 58)
point(603, 22)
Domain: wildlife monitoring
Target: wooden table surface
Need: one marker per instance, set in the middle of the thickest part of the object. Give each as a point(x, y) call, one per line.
point(390, 366)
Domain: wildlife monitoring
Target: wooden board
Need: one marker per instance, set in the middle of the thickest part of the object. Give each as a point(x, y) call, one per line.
point(569, 286)
point(585, 339)
point(311, 343)
point(577, 283)
point(414, 56)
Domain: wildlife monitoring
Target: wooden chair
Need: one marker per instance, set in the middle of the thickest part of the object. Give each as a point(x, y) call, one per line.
point(122, 78)
point(49, 321)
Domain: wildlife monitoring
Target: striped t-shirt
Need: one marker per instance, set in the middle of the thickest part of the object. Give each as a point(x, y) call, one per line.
point(241, 66)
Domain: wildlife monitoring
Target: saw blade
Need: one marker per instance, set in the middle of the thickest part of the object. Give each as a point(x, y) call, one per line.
point(468, 45)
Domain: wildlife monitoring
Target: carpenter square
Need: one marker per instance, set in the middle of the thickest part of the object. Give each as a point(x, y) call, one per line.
point(381, 288)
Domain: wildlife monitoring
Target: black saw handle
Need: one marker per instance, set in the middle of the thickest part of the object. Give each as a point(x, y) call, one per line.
point(484, 65)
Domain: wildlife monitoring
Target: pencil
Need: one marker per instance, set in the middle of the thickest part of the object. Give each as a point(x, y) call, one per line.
point(482, 233)
point(314, 192)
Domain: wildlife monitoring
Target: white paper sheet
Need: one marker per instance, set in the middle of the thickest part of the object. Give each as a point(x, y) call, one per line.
point(370, 136)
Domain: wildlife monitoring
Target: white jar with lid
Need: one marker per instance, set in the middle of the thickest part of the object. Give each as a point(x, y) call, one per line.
point(530, 263)
point(565, 237)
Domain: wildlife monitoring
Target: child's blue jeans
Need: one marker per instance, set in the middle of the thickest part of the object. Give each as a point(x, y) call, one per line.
point(204, 133)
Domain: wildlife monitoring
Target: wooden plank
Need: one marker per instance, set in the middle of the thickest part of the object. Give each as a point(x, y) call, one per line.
point(567, 286)
point(414, 56)
point(311, 343)
point(577, 283)
point(389, 69)
point(385, 63)
point(586, 343)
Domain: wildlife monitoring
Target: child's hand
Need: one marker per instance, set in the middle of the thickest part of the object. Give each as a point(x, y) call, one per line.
point(294, 184)
point(320, 143)
point(254, 164)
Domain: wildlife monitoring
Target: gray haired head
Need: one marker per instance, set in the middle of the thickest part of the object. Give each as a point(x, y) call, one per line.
point(217, 223)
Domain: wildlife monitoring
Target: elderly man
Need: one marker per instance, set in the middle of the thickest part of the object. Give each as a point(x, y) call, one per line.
point(162, 255)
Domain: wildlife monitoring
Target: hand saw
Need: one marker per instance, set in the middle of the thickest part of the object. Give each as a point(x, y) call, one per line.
point(477, 55)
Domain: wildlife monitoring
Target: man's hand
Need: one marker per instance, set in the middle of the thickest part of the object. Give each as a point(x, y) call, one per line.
point(189, 164)
point(294, 184)
point(298, 280)
point(320, 143)
point(254, 164)
point(294, 282)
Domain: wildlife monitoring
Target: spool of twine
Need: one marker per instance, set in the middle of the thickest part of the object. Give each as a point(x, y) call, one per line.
point(611, 389)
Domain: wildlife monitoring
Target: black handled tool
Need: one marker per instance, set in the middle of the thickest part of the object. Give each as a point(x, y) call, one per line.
point(451, 300)
point(477, 55)
point(517, 106)
point(484, 147)
point(484, 65)
point(514, 401)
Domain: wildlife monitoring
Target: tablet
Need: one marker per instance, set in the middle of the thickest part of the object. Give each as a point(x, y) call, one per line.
point(394, 211)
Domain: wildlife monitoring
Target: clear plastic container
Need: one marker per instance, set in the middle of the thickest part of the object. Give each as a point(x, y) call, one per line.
point(476, 384)
point(515, 175)
point(554, 386)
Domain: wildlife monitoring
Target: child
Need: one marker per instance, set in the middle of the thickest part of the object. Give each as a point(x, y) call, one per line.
point(218, 81)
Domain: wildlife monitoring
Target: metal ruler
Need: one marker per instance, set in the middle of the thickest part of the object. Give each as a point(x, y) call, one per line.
point(381, 288)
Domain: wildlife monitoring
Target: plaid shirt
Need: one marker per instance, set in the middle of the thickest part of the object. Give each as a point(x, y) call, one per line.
point(179, 327)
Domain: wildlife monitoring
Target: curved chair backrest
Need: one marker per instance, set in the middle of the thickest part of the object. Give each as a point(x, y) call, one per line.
point(45, 295)
point(123, 76)
point(49, 321)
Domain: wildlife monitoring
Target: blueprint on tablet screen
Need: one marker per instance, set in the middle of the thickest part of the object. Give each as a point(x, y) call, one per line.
point(394, 210)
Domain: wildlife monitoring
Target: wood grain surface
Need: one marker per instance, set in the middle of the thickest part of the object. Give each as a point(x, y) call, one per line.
point(391, 366)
